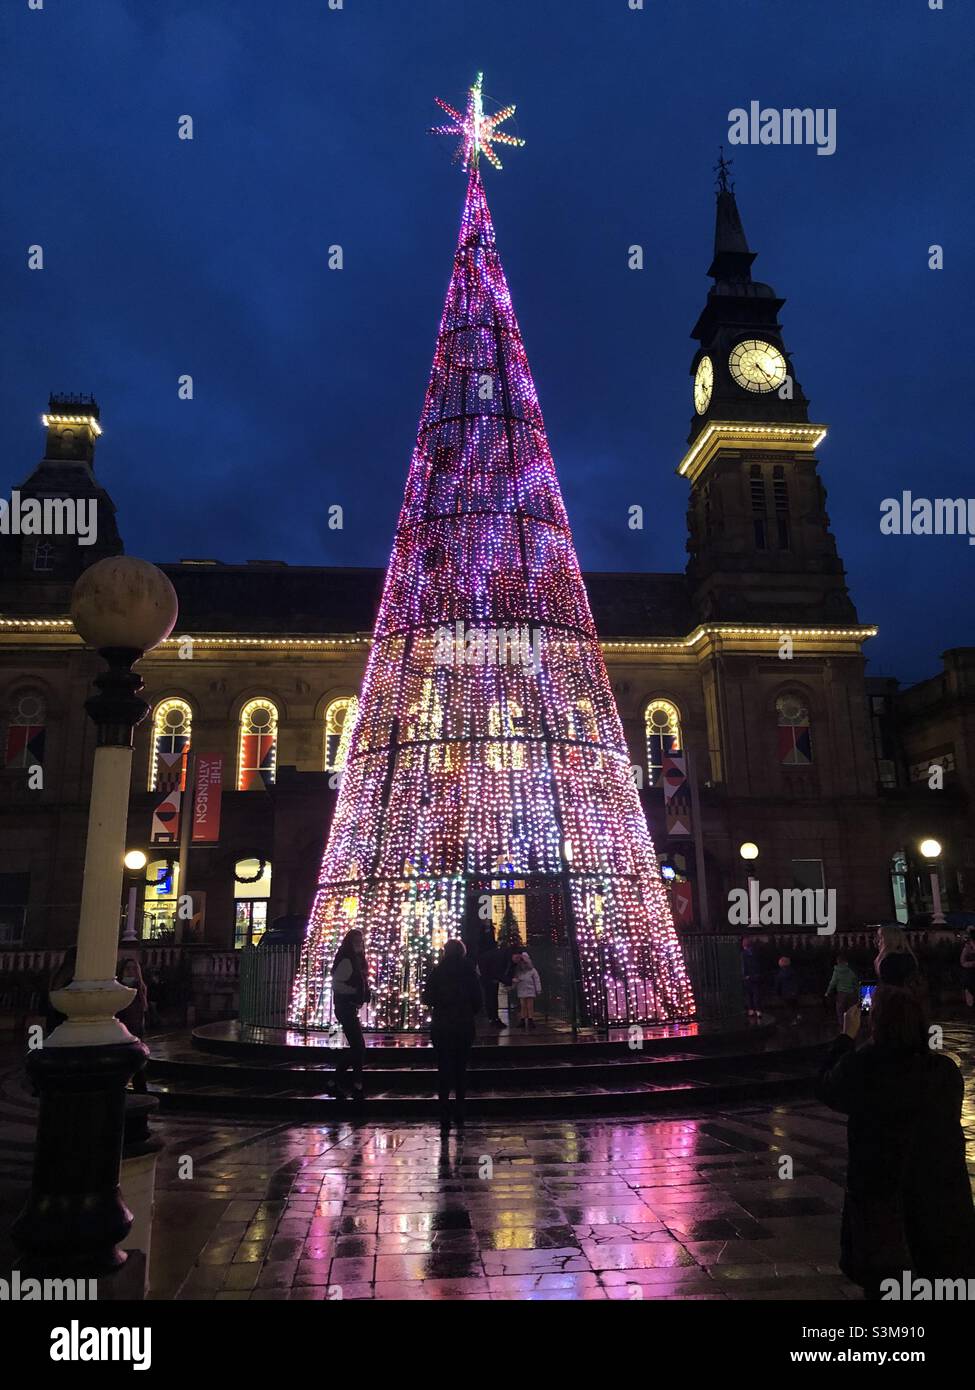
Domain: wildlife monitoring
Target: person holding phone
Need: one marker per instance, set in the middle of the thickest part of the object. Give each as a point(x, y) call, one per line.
point(908, 1204)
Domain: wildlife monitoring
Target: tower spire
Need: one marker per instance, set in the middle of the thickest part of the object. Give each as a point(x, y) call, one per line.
point(732, 258)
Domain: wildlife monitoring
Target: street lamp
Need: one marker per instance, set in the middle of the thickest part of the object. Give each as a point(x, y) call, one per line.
point(75, 1217)
point(931, 849)
point(135, 862)
point(749, 852)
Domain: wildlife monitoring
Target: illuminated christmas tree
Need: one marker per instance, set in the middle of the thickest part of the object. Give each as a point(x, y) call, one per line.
point(487, 766)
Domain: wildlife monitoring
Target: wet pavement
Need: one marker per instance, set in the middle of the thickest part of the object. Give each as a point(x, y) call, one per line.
point(687, 1205)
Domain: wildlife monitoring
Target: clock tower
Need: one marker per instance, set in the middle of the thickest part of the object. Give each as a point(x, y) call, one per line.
point(760, 546)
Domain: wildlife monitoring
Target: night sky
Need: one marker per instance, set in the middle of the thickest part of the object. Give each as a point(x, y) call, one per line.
point(164, 257)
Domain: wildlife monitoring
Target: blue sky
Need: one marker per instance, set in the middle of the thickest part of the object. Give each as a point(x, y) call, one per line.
point(210, 257)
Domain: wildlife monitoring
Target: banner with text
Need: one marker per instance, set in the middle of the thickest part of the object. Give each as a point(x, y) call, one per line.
point(206, 798)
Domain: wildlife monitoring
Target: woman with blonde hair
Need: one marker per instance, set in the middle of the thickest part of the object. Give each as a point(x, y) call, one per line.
point(891, 941)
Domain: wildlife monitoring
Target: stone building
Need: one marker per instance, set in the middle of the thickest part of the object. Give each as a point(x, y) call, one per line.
point(751, 663)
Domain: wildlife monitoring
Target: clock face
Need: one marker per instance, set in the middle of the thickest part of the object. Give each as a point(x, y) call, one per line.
point(757, 366)
point(703, 384)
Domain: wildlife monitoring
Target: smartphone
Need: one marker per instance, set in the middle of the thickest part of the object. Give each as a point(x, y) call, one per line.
point(866, 997)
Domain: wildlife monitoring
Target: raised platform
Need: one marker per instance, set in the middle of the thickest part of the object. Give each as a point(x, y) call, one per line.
point(226, 1068)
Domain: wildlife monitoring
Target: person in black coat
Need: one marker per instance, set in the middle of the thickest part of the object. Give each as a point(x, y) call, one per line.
point(453, 995)
point(908, 1203)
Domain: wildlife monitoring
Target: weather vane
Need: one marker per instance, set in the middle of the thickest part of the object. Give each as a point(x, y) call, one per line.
point(722, 169)
point(477, 131)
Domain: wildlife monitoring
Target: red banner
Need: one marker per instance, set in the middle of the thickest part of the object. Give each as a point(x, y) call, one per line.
point(683, 904)
point(206, 798)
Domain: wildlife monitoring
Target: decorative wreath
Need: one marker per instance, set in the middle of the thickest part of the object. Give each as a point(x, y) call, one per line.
point(252, 878)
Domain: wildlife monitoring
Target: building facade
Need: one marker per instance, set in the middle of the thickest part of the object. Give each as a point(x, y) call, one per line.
point(750, 663)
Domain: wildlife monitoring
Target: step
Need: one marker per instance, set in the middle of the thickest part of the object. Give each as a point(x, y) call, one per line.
point(621, 1097)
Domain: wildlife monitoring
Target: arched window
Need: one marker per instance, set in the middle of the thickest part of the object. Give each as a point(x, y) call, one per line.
point(25, 730)
point(795, 738)
point(340, 717)
point(662, 722)
point(172, 722)
point(257, 756)
point(252, 888)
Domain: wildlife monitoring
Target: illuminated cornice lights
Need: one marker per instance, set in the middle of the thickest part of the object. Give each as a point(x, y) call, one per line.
point(89, 420)
point(477, 131)
point(722, 432)
point(636, 644)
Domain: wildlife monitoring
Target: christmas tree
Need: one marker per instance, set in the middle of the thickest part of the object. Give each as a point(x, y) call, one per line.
point(487, 764)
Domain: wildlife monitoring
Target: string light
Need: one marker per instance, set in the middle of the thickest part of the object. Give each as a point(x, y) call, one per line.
point(476, 130)
point(459, 774)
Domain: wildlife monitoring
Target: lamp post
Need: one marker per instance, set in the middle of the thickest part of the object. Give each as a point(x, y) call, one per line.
point(75, 1218)
point(749, 852)
point(931, 849)
point(135, 863)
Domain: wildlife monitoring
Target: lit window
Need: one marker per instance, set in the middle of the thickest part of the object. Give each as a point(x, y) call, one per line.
point(258, 751)
point(795, 737)
point(252, 889)
point(662, 723)
point(25, 731)
point(340, 717)
point(161, 900)
point(172, 722)
point(506, 722)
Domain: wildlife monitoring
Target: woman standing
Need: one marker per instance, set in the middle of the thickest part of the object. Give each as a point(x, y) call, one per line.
point(528, 986)
point(908, 1203)
point(891, 941)
point(350, 990)
point(453, 995)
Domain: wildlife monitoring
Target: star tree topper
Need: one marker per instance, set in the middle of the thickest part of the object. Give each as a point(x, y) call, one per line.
point(477, 131)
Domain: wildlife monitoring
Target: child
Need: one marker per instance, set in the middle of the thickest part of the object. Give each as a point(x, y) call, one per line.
point(845, 984)
point(528, 986)
point(787, 988)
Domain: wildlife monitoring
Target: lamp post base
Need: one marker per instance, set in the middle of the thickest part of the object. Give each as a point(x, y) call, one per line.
point(75, 1217)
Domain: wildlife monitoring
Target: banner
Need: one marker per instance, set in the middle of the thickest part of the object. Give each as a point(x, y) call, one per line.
point(165, 820)
point(677, 795)
point(169, 771)
point(207, 798)
point(683, 904)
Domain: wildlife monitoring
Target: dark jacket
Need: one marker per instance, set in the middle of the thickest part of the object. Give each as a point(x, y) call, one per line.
point(908, 1197)
point(495, 964)
point(751, 963)
point(453, 996)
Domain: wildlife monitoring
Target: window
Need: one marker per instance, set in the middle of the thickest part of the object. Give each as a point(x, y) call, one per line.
point(506, 722)
point(795, 737)
point(43, 557)
point(663, 736)
point(252, 888)
point(757, 488)
point(162, 894)
point(172, 723)
point(898, 886)
point(340, 717)
point(257, 757)
point(14, 891)
point(780, 496)
point(25, 731)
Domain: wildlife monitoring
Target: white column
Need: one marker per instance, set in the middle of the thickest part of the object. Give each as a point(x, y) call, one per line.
point(95, 995)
